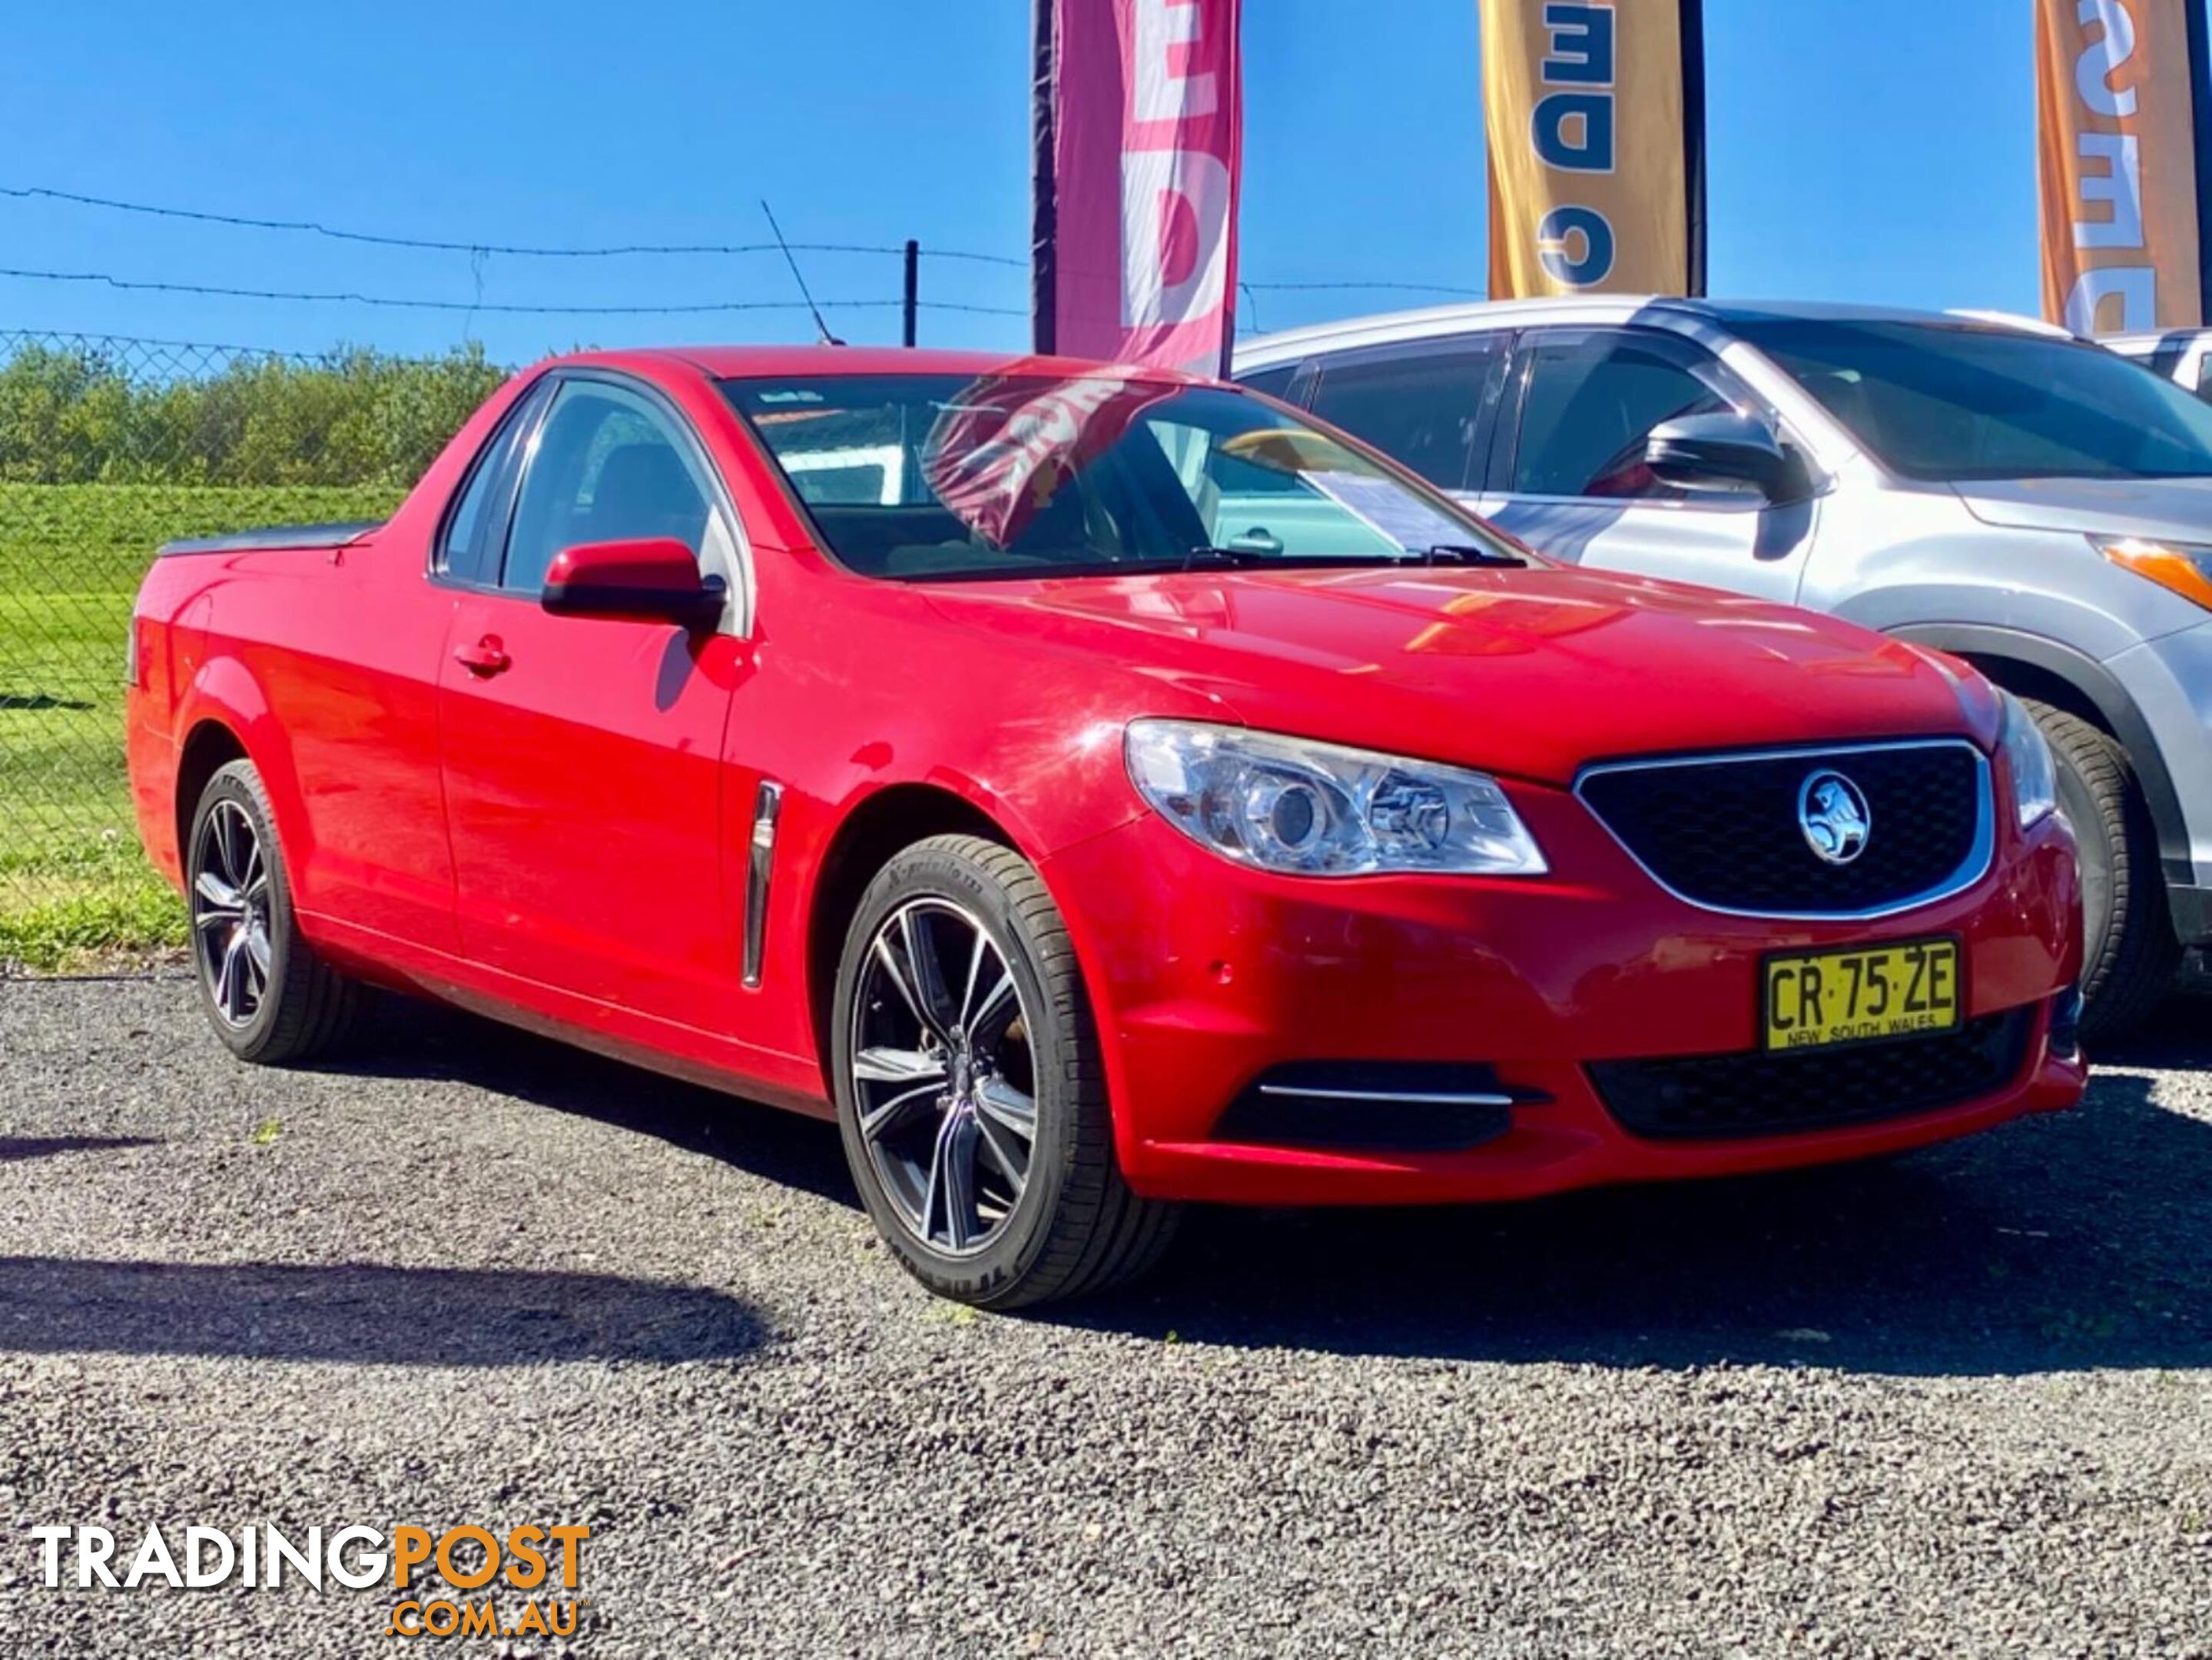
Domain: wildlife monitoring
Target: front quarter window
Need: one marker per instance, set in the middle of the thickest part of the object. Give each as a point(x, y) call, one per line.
point(1591, 404)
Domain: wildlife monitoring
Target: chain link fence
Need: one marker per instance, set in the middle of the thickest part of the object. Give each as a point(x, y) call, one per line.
point(108, 448)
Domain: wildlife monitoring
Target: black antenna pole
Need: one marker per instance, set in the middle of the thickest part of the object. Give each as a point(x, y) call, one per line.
point(910, 308)
point(821, 328)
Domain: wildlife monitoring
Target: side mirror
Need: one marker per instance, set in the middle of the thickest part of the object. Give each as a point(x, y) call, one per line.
point(1724, 451)
point(656, 580)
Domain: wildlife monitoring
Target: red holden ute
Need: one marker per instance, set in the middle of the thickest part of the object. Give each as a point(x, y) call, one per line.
point(1097, 789)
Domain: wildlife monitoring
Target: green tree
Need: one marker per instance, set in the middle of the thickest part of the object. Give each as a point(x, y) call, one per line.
point(112, 412)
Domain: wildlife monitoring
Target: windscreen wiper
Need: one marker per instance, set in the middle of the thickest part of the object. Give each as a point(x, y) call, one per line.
point(1469, 553)
point(1203, 557)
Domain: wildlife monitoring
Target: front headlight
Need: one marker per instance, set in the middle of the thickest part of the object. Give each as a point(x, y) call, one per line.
point(2028, 760)
point(1309, 809)
point(2181, 567)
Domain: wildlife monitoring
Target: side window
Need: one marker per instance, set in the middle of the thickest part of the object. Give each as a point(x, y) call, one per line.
point(1591, 402)
point(1275, 383)
point(1423, 407)
point(606, 468)
point(464, 552)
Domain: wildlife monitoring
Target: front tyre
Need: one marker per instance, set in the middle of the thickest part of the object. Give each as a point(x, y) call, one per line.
point(267, 995)
point(2129, 949)
point(969, 1088)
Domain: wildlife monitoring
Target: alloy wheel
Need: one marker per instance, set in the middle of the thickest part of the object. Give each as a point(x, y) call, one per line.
point(230, 901)
point(944, 1078)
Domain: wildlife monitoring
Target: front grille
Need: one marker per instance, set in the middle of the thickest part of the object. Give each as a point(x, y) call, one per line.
point(1725, 833)
point(1713, 1097)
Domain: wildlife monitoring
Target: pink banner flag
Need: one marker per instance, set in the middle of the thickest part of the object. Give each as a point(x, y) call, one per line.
point(998, 455)
point(1140, 139)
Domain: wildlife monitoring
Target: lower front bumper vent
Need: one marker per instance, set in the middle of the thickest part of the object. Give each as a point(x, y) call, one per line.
point(1373, 1106)
point(1715, 1096)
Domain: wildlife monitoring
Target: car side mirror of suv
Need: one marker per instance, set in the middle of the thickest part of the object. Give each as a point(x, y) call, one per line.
point(654, 580)
point(1724, 451)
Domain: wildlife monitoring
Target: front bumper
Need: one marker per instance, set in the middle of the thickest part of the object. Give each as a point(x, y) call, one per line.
point(1204, 976)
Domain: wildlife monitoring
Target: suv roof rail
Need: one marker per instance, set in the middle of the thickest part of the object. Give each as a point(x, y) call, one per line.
point(2011, 319)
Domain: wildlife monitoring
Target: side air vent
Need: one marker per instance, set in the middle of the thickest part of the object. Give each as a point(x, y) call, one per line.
point(760, 865)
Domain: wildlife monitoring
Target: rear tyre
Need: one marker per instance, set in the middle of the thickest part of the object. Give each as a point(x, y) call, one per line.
point(2129, 949)
point(267, 995)
point(970, 1091)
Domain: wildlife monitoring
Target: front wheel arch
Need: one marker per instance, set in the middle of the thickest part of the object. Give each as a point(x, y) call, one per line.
point(1075, 1225)
point(2030, 666)
point(876, 832)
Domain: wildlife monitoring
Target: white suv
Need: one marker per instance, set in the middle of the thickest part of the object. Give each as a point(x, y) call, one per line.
point(1998, 490)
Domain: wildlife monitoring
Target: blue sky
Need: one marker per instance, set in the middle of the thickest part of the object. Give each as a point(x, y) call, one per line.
point(1872, 149)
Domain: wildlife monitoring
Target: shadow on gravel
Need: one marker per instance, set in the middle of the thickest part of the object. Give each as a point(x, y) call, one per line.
point(2056, 1243)
point(364, 1313)
point(417, 1040)
point(14, 1147)
point(2053, 1243)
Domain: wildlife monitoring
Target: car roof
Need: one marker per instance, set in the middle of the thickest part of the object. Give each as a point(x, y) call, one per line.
point(724, 362)
point(1436, 321)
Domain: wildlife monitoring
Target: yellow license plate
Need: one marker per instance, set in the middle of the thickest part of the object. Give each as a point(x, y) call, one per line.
point(1860, 992)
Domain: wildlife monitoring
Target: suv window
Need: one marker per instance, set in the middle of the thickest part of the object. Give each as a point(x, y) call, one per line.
point(1950, 399)
point(1421, 407)
point(1592, 400)
point(607, 468)
point(1275, 383)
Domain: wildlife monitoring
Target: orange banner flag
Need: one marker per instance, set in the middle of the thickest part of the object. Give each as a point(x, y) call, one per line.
point(2121, 133)
point(1596, 121)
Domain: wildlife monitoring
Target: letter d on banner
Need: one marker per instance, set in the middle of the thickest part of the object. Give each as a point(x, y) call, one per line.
point(2124, 129)
point(1595, 113)
point(1138, 116)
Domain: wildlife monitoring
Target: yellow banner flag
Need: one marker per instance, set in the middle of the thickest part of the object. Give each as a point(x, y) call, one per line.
point(1595, 117)
point(2118, 97)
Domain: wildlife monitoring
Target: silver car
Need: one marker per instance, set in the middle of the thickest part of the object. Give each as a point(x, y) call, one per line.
point(1998, 490)
point(2183, 355)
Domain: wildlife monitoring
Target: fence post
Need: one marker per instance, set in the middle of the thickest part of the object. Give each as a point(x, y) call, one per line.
point(913, 289)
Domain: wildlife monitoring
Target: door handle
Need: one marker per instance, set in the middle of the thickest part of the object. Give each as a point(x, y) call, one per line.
point(485, 658)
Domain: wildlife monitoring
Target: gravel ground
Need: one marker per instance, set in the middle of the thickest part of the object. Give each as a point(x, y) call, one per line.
point(1959, 1404)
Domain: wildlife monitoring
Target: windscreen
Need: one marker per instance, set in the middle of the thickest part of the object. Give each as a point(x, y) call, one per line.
point(1937, 401)
point(920, 477)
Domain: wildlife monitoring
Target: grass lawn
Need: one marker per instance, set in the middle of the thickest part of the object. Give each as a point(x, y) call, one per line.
point(73, 882)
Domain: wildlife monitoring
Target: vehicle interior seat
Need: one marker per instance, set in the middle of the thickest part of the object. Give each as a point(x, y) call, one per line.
point(643, 490)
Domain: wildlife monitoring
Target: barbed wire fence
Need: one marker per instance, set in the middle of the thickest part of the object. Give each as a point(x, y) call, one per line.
point(111, 444)
point(109, 447)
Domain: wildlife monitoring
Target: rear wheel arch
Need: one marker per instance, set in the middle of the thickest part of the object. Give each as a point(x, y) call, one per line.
point(207, 749)
point(269, 997)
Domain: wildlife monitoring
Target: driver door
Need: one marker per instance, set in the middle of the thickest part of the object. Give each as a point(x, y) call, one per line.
point(582, 756)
